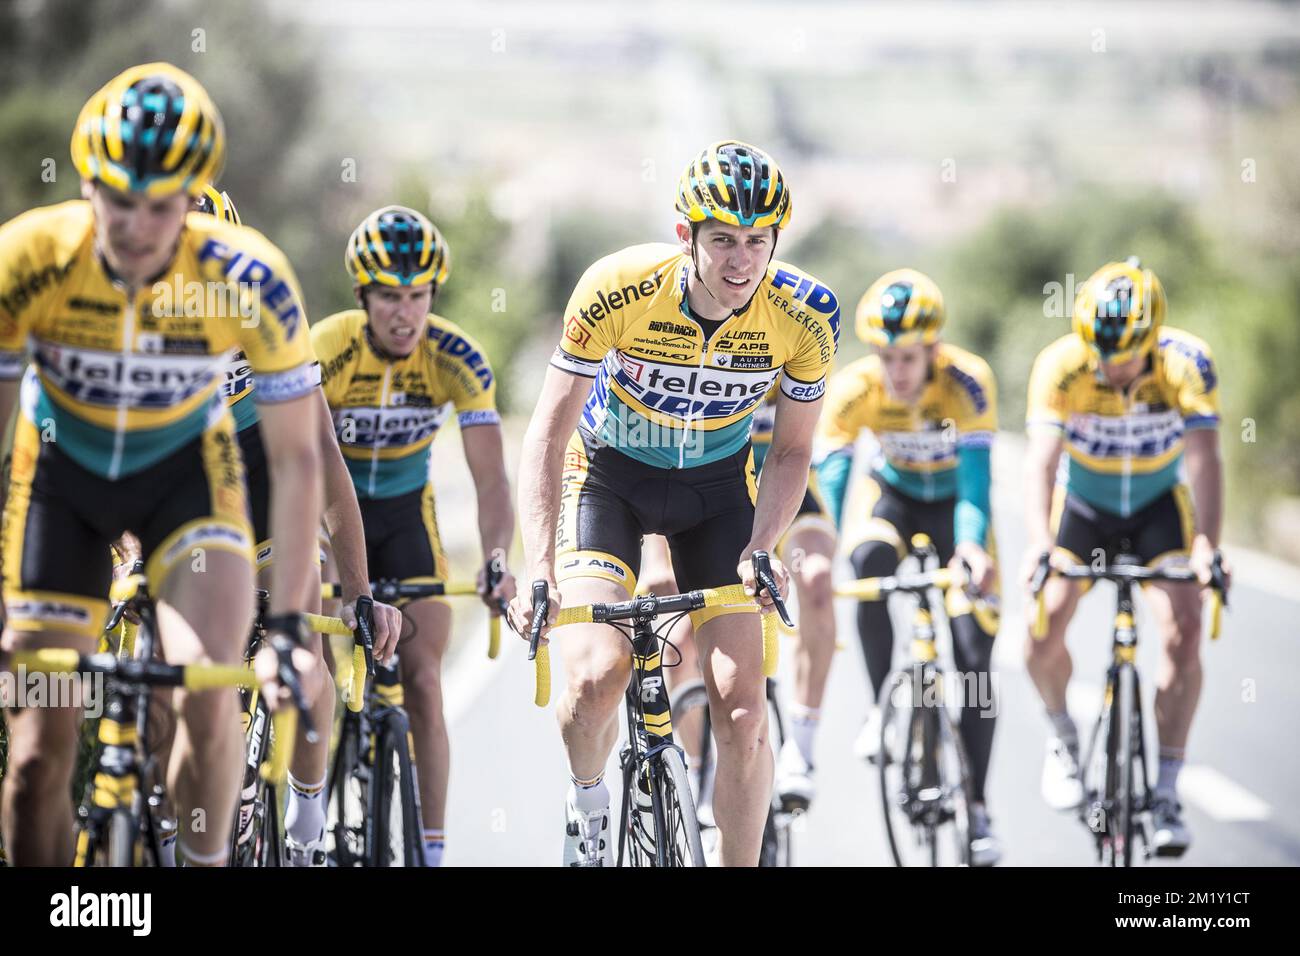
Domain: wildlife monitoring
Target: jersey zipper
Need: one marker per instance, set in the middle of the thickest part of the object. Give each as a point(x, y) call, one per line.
point(123, 409)
point(706, 349)
point(383, 403)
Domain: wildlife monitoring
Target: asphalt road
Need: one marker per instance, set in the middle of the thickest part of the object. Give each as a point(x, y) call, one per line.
point(509, 772)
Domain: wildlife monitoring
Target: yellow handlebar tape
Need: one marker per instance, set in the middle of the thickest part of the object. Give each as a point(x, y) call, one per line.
point(284, 723)
point(573, 615)
point(494, 637)
point(209, 676)
point(1216, 614)
point(327, 625)
point(357, 685)
point(50, 660)
point(867, 589)
point(542, 690)
point(1039, 630)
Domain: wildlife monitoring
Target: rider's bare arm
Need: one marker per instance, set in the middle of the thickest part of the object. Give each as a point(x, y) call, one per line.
point(541, 463)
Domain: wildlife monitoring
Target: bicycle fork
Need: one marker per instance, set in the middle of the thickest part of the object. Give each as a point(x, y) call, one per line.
point(650, 730)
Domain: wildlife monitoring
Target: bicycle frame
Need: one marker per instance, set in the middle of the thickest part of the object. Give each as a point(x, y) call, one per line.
point(383, 702)
point(1099, 807)
point(649, 725)
point(122, 759)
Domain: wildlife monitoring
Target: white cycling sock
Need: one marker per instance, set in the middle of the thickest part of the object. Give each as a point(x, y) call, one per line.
point(304, 819)
point(434, 843)
point(803, 729)
point(589, 795)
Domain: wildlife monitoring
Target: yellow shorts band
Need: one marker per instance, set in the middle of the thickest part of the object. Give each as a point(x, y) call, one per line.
point(264, 555)
point(191, 540)
point(33, 612)
point(594, 564)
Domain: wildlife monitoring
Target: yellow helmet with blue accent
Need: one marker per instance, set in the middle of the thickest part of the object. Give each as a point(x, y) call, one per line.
point(398, 246)
point(1119, 310)
point(151, 129)
point(735, 183)
point(217, 203)
point(903, 307)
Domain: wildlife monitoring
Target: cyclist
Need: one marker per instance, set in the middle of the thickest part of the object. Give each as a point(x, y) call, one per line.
point(808, 549)
point(122, 428)
point(390, 371)
point(1134, 405)
point(304, 820)
point(932, 409)
point(662, 412)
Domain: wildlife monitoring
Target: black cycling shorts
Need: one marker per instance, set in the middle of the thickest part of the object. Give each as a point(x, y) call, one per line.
point(608, 501)
point(1160, 533)
point(402, 540)
point(60, 520)
point(257, 474)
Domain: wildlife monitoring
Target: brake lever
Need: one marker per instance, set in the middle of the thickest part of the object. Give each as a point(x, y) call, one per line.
point(541, 604)
point(766, 581)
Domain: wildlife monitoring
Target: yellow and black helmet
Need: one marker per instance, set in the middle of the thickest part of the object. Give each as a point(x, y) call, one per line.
point(903, 307)
point(151, 129)
point(400, 247)
point(217, 204)
point(1120, 309)
point(734, 183)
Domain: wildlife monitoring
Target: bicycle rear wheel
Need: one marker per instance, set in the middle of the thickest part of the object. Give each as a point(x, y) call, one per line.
point(398, 831)
point(777, 848)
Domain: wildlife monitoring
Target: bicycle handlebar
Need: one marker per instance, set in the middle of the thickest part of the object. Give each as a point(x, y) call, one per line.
point(151, 673)
point(646, 607)
point(390, 591)
point(1126, 572)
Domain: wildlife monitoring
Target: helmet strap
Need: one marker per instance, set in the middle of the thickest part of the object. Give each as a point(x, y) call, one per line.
point(695, 226)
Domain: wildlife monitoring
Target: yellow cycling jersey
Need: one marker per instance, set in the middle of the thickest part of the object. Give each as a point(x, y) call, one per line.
point(1123, 448)
point(919, 442)
point(387, 411)
point(662, 394)
point(125, 377)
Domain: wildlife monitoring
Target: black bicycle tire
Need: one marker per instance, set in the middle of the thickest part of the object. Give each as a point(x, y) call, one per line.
point(270, 848)
point(121, 837)
point(342, 770)
point(1125, 689)
point(887, 708)
point(391, 744)
point(953, 734)
point(674, 791)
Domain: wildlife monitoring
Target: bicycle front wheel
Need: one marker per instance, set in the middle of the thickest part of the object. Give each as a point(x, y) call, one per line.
point(349, 799)
point(677, 829)
point(122, 835)
point(1129, 752)
point(924, 774)
point(398, 831)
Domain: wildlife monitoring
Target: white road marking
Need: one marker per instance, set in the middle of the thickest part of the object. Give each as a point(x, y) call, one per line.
point(1219, 797)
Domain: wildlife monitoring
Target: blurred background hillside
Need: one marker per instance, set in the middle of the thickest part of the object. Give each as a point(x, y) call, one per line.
point(1006, 149)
